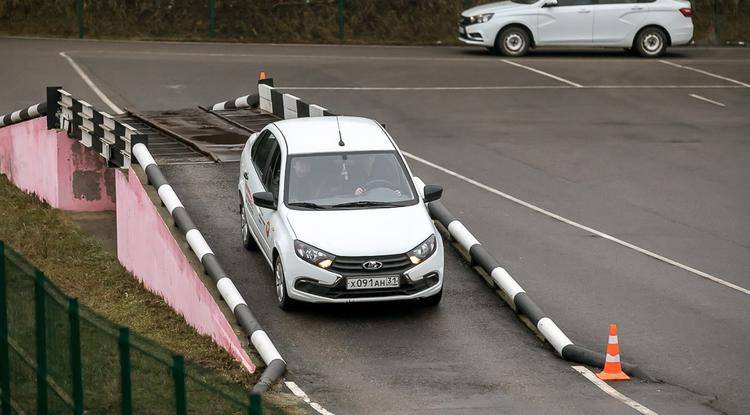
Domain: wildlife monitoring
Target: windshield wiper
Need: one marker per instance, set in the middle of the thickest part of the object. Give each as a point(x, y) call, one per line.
point(363, 203)
point(307, 205)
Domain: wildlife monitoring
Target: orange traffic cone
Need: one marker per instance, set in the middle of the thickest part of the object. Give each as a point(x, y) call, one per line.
point(612, 368)
point(262, 75)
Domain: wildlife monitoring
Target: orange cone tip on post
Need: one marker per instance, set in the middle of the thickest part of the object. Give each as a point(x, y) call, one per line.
point(612, 367)
point(262, 75)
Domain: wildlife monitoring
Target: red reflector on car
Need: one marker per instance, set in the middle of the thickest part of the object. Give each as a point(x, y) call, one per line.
point(686, 11)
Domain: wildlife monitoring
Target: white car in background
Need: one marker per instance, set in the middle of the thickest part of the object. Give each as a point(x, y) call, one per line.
point(331, 204)
point(512, 27)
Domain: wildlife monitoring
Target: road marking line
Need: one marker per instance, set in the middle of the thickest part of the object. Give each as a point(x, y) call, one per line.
point(578, 225)
point(91, 84)
point(696, 96)
point(298, 392)
point(543, 73)
point(612, 392)
point(706, 73)
point(500, 87)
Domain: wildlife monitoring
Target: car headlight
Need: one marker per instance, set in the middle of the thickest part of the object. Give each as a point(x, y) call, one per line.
point(423, 250)
point(313, 255)
point(481, 18)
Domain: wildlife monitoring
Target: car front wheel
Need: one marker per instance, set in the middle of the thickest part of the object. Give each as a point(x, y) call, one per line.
point(651, 42)
point(282, 296)
point(513, 42)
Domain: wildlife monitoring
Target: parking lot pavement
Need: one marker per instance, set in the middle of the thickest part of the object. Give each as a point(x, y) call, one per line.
point(631, 152)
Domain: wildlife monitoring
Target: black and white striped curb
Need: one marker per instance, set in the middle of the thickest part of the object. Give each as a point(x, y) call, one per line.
point(286, 106)
point(517, 297)
point(25, 114)
point(275, 365)
point(97, 130)
point(245, 101)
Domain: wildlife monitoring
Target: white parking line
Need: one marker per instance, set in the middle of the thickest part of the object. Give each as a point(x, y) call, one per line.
point(689, 68)
point(91, 84)
point(612, 392)
point(578, 225)
point(543, 73)
point(298, 392)
point(498, 87)
point(696, 96)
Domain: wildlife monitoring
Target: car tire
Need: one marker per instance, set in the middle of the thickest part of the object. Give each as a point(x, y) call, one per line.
point(434, 299)
point(282, 297)
point(513, 42)
point(651, 42)
point(247, 238)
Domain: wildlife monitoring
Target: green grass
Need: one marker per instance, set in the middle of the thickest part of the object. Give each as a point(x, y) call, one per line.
point(80, 267)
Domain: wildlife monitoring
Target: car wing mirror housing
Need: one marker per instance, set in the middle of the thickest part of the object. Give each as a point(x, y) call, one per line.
point(264, 200)
point(550, 3)
point(432, 192)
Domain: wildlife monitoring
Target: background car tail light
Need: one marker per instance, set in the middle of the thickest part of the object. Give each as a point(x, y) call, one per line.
point(686, 11)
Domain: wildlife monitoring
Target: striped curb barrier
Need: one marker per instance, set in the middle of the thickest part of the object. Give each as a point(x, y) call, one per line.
point(275, 364)
point(25, 114)
point(517, 298)
point(245, 101)
point(286, 106)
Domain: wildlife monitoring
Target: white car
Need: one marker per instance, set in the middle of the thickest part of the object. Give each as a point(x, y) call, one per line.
point(512, 27)
point(332, 205)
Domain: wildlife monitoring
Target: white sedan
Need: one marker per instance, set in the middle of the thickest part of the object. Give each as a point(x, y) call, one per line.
point(512, 27)
point(331, 204)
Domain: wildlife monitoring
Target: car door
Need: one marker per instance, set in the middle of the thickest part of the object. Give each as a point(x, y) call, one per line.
point(617, 21)
point(570, 22)
point(254, 175)
point(271, 182)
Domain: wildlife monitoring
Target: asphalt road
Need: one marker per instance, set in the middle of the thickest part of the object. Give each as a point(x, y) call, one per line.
point(629, 153)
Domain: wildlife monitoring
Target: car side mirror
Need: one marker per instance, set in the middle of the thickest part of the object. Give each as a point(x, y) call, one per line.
point(264, 200)
point(550, 3)
point(432, 192)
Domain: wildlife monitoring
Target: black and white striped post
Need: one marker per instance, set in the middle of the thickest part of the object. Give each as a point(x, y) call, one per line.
point(25, 114)
point(517, 297)
point(286, 106)
point(245, 101)
point(275, 364)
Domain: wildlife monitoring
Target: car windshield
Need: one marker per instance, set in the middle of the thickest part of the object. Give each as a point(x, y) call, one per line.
point(347, 181)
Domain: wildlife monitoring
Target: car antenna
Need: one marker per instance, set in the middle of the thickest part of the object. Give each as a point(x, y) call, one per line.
point(341, 140)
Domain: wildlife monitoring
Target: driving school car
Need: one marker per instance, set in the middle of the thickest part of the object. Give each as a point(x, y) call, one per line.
point(332, 206)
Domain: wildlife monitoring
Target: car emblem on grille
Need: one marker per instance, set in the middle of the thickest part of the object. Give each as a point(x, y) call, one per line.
point(372, 265)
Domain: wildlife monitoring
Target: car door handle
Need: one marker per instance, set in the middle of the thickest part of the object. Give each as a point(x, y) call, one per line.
point(246, 176)
point(584, 11)
point(636, 8)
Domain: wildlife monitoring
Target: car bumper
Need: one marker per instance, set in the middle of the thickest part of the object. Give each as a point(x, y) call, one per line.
point(476, 35)
point(306, 282)
point(682, 35)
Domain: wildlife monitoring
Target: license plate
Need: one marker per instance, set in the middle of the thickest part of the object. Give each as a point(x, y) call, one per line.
point(364, 283)
point(461, 30)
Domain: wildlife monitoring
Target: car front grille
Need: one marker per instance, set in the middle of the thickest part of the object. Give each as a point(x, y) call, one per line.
point(392, 264)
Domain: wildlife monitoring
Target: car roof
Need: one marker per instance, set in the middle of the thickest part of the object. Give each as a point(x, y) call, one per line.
point(321, 135)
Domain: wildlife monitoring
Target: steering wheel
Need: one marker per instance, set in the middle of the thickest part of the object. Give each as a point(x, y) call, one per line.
point(384, 182)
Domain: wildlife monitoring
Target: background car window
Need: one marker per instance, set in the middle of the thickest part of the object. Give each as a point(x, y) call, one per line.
point(261, 151)
point(619, 1)
point(563, 3)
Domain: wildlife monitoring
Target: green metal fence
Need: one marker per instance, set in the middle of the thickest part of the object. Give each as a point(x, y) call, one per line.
point(327, 21)
point(59, 357)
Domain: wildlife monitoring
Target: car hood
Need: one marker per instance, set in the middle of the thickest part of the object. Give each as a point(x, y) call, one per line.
point(498, 7)
point(363, 232)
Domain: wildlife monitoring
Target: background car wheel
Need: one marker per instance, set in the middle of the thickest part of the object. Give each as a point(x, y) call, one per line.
point(651, 42)
point(513, 41)
point(247, 239)
point(282, 298)
point(433, 300)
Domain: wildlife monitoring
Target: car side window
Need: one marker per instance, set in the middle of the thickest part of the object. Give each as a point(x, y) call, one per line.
point(261, 151)
point(563, 3)
point(274, 174)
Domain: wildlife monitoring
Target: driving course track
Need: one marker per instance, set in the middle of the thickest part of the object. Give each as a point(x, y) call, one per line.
point(631, 153)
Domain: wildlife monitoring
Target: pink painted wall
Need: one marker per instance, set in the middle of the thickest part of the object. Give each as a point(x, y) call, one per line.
point(146, 247)
point(57, 169)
